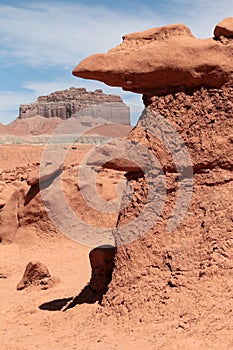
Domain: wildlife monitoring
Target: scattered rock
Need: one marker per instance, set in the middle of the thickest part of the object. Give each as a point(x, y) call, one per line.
point(3, 273)
point(36, 274)
point(224, 28)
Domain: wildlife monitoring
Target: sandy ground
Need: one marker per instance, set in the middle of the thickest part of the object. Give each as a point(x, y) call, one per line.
point(34, 319)
point(25, 326)
point(31, 319)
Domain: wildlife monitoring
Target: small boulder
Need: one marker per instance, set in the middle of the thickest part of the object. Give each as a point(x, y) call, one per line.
point(224, 28)
point(36, 274)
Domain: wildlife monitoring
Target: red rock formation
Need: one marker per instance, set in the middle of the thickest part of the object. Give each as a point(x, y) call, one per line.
point(148, 270)
point(101, 260)
point(188, 81)
point(161, 60)
point(81, 110)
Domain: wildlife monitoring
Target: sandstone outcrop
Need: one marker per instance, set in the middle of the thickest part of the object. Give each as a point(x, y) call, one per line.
point(78, 102)
point(187, 85)
point(162, 60)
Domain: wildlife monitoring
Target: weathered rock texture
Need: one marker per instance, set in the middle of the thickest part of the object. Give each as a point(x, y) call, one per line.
point(156, 268)
point(161, 60)
point(77, 102)
point(187, 81)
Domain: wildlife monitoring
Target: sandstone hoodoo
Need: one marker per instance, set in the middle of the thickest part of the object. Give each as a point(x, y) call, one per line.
point(187, 85)
point(80, 103)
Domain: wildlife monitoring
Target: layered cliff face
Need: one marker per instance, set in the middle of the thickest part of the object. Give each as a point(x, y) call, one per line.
point(78, 102)
point(186, 84)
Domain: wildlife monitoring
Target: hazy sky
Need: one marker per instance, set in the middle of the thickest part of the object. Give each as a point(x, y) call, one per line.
point(42, 41)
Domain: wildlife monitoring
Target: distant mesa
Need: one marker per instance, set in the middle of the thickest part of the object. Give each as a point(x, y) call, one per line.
point(78, 102)
point(81, 109)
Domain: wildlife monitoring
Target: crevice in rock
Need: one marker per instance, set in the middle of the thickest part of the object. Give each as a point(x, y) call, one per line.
point(200, 168)
point(218, 183)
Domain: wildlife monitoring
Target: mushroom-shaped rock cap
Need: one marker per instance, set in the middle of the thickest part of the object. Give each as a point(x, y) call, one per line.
point(224, 28)
point(161, 60)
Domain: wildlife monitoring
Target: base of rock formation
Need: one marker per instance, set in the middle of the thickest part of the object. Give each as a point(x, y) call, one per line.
point(102, 264)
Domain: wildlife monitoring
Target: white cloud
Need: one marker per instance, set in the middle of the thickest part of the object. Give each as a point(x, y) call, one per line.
point(48, 35)
point(63, 33)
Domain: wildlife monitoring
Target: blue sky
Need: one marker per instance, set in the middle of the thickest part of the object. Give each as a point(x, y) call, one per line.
point(42, 41)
